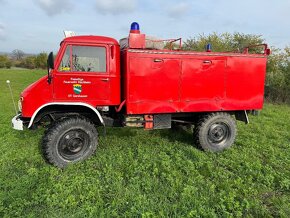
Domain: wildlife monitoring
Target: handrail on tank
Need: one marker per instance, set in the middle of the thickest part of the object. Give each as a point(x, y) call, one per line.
point(171, 41)
point(267, 51)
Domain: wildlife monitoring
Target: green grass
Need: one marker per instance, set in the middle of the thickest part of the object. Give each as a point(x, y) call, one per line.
point(147, 173)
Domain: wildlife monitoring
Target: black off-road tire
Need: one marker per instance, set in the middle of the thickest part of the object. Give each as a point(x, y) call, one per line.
point(215, 132)
point(69, 140)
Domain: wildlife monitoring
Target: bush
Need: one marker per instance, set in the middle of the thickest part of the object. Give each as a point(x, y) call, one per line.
point(29, 62)
point(40, 60)
point(8, 64)
point(32, 62)
point(5, 62)
point(222, 42)
point(2, 61)
point(278, 76)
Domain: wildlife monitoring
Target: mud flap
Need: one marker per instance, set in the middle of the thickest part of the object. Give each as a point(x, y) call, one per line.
point(242, 116)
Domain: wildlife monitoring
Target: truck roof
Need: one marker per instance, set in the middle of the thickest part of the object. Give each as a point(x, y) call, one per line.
point(91, 39)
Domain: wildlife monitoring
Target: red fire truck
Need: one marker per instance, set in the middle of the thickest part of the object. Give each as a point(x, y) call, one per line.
point(97, 81)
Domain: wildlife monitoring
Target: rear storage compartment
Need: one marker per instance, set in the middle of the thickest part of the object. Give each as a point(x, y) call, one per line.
point(165, 81)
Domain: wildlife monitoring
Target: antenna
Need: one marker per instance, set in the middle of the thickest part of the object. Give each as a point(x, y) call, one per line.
point(11, 93)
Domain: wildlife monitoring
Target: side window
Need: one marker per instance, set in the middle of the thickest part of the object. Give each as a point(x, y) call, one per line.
point(89, 59)
point(84, 59)
point(65, 62)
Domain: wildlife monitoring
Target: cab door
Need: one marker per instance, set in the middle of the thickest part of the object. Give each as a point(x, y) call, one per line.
point(83, 75)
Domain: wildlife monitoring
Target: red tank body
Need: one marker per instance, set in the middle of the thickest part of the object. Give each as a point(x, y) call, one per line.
point(177, 81)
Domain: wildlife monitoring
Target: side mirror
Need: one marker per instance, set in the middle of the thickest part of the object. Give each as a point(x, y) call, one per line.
point(50, 66)
point(268, 51)
point(50, 61)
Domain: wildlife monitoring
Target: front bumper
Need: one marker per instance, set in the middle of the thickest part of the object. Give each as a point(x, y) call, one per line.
point(17, 123)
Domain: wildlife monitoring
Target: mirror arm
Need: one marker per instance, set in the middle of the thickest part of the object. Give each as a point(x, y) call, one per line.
point(49, 78)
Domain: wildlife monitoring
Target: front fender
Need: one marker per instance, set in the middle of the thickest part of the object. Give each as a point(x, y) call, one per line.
point(67, 104)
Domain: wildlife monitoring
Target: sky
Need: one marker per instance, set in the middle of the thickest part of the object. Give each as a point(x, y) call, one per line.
point(35, 26)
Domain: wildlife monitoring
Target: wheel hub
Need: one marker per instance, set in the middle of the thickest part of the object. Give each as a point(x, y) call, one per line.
point(73, 143)
point(218, 133)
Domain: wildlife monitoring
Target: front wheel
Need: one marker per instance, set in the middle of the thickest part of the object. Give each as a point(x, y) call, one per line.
point(215, 132)
point(69, 140)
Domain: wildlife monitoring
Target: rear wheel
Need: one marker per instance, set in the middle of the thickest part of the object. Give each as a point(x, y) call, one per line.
point(215, 132)
point(69, 140)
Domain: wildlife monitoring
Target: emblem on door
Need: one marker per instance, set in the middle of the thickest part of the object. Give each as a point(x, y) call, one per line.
point(77, 88)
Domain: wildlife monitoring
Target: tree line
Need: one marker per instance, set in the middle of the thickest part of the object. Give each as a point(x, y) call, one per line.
point(277, 84)
point(19, 59)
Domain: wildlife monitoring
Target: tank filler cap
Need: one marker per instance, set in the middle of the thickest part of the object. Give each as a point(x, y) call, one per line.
point(135, 28)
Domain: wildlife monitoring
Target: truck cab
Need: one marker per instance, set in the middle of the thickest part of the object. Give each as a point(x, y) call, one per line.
point(87, 68)
point(85, 75)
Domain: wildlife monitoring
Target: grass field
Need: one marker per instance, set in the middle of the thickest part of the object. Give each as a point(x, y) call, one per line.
point(147, 173)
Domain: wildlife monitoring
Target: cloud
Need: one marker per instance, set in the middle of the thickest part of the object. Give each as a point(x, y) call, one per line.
point(116, 6)
point(54, 7)
point(2, 32)
point(179, 9)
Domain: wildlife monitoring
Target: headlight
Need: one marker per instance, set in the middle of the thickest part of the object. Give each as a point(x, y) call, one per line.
point(20, 104)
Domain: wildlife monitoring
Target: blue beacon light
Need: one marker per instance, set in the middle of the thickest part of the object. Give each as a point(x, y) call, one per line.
point(135, 28)
point(208, 47)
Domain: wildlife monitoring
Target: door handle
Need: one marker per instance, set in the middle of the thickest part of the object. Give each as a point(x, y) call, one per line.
point(158, 60)
point(207, 62)
point(105, 79)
